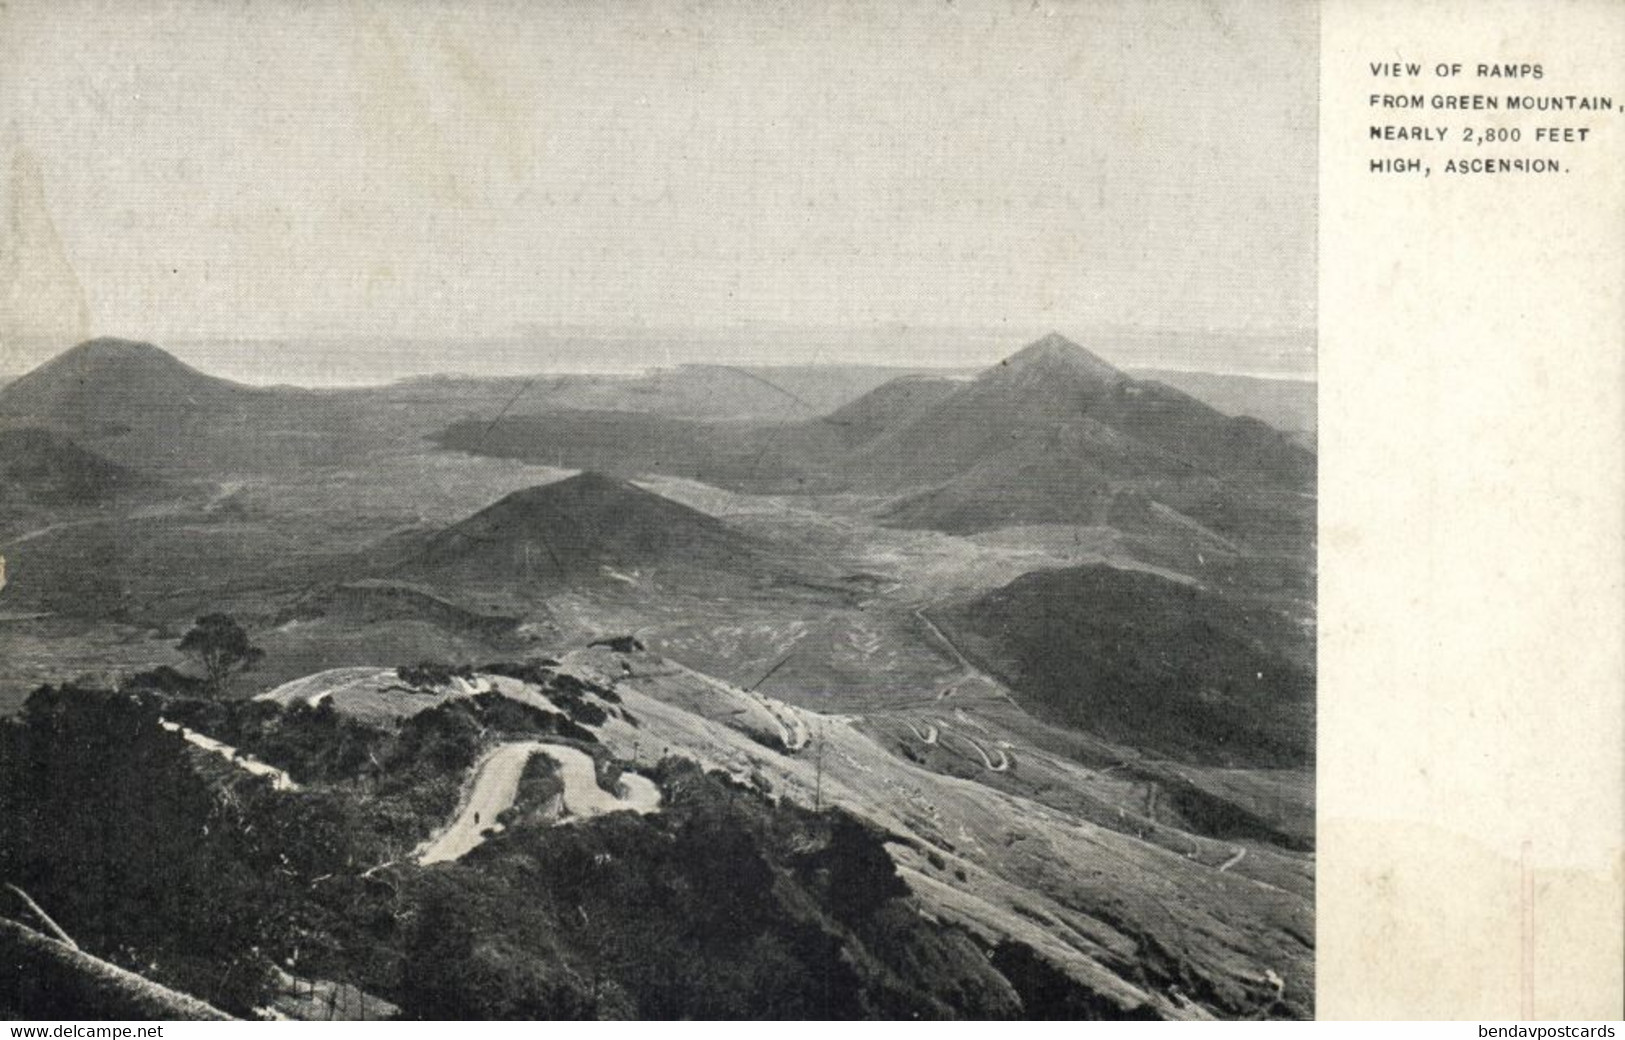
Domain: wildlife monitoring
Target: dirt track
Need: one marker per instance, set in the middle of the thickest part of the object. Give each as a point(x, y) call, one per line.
point(280, 780)
point(495, 785)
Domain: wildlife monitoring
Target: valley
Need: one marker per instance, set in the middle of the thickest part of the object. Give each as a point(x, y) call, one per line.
point(1031, 647)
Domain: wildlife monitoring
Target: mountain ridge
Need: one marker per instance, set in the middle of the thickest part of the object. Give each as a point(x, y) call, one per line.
point(1047, 434)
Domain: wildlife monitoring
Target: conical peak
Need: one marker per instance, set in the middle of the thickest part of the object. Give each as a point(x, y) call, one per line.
point(1055, 351)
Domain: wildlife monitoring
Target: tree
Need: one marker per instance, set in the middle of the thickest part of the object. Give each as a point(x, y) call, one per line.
point(221, 646)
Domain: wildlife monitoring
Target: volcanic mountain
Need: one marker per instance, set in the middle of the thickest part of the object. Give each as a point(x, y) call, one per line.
point(105, 382)
point(588, 529)
point(141, 407)
point(1051, 435)
point(1054, 434)
point(1056, 389)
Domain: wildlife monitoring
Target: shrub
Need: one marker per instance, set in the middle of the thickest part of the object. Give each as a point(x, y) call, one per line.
point(428, 675)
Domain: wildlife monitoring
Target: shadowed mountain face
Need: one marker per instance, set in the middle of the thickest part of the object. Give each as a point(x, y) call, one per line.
point(888, 406)
point(1052, 434)
point(1035, 438)
point(1024, 402)
point(589, 528)
point(38, 466)
point(1027, 441)
point(1289, 405)
point(1136, 657)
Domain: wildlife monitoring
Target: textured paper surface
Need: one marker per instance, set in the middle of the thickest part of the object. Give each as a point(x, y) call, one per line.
point(1471, 442)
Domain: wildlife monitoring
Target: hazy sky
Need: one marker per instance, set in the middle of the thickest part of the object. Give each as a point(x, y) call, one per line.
point(295, 169)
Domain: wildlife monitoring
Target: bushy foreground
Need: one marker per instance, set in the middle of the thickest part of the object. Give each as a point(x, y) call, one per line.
point(726, 904)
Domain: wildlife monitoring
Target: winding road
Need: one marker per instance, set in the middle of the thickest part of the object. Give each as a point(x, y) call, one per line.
point(495, 785)
point(930, 734)
point(280, 780)
point(792, 730)
point(965, 665)
point(1002, 765)
point(583, 798)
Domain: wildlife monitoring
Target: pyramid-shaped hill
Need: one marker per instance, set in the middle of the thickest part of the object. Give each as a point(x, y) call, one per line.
point(587, 529)
point(1055, 391)
point(1055, 356)
point(111, 381)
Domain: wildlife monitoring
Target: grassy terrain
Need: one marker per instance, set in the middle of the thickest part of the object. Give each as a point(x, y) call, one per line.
point(1047, 763)
point(773, 911)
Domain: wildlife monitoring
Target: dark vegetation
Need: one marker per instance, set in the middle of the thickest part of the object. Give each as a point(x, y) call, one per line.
point(429, 674)
point(144, 861)
point(172, 863)
point(221, 647)
point(164, 679)
point(539, 788)
point(565, 690)
point(620, 644)
point(724, 905)
point(49, 979)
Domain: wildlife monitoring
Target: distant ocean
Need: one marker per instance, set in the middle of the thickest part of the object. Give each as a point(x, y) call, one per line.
point(361, 361)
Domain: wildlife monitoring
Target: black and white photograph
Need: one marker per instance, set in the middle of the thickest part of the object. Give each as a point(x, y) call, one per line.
point(649, 511)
